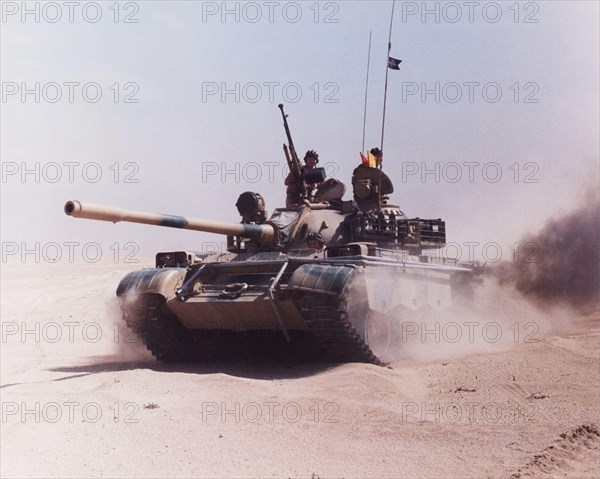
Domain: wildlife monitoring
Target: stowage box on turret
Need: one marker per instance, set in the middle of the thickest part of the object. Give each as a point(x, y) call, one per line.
point(323, 275)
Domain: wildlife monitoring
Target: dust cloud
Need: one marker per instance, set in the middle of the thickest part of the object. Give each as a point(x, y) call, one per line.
point(545, 291)
point(487, 317)
point(127, 346)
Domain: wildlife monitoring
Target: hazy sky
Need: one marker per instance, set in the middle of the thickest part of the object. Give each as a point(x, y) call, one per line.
point(174, 105)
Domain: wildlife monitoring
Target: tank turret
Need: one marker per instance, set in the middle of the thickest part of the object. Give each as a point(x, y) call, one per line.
point(288, 229)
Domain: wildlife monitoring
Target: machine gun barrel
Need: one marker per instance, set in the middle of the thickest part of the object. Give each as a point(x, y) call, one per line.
point(295, 167)
point(107, 213)
point(290, 162)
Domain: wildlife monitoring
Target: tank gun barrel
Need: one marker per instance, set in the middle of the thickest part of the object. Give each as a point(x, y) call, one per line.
point(77, 209)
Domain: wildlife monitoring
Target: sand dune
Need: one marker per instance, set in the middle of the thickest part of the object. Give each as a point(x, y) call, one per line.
point(80, 397)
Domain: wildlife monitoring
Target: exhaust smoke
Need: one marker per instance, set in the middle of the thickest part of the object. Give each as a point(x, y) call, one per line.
point(564, 268)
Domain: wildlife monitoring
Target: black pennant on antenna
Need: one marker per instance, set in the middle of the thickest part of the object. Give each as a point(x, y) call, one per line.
point(393, 63)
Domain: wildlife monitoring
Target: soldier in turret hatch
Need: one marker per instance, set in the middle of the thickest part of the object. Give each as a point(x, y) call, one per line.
point(315, 241)
point(369, 183)
point(292, 192)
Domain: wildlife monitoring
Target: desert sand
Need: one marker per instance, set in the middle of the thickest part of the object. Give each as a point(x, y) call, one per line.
point(82, 398)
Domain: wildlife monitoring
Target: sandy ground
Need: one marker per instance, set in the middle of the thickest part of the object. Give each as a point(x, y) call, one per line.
point(79, 399)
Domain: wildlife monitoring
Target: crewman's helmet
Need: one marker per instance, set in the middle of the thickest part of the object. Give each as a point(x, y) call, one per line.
point(316, 237)
point(376, 152)
point(311, 154)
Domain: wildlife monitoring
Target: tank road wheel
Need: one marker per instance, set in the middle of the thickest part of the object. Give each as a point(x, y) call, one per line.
point(378, 334)
point(148, 317)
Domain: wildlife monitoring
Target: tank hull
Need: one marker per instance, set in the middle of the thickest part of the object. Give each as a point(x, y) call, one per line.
point(349, 308)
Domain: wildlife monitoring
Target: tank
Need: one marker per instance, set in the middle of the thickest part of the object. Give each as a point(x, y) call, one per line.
point(322, 278)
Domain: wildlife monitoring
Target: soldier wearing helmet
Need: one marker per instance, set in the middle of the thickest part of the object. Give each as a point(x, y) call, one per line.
point(370, 184)
point(311, 158)
point(315, 241)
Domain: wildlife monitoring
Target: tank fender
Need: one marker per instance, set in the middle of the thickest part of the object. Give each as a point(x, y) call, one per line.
point(322, 278)
point(163, 281)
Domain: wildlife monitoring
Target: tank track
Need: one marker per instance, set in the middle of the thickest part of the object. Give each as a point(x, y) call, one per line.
point(162, 335)
point(328, 318)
